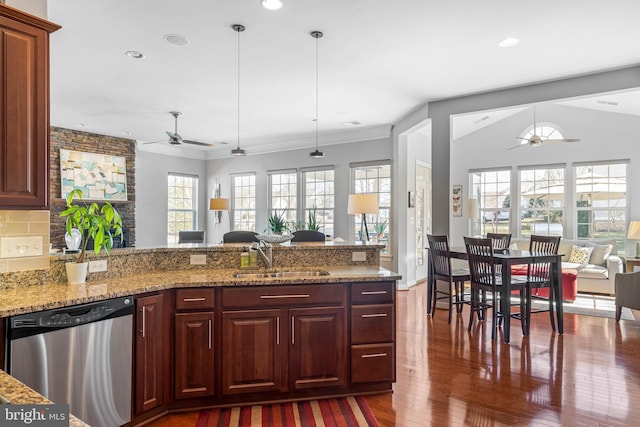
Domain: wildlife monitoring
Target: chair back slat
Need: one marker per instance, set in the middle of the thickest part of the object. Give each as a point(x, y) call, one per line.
point(480, 256)
point(545, 245)
point(500, 240)
point(440, 254)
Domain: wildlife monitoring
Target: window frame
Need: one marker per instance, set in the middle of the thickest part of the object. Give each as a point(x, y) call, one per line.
point(373, 186)
point(172, 238)
point(251, 197)
point(329, 231)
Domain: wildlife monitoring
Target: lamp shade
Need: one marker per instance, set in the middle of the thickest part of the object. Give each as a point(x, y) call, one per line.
point(362, 204)
point(472, 208)
point(218, 204)
point(634, 230)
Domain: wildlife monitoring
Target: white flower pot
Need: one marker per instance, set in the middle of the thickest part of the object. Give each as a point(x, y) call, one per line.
point(76, 272)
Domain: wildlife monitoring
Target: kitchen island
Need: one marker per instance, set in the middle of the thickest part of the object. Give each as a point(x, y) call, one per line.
point(221, 335)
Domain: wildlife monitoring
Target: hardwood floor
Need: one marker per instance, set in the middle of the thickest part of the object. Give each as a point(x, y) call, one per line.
point(589, 376)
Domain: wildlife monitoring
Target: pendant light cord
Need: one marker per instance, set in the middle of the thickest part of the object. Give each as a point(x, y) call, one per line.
point(317, 92)
point(238, 89)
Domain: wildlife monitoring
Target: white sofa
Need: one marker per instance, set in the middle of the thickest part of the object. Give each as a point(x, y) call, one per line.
point(599, 273)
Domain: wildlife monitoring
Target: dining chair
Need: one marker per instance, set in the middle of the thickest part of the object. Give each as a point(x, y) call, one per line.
point(308, 236)
point(482, 270)
point(441, 264)
point(500, 240)
point(240, 237)
point(539, 276)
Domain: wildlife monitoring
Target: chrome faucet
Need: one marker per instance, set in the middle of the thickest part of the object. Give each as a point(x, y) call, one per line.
point(266, 257)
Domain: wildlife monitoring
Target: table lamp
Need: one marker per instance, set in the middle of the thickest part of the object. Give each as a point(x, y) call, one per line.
point(634, 234)
point(218, 204)
point(363, 204)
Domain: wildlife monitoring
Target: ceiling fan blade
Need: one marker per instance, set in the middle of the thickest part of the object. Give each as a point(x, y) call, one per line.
point(517, 146)
point(561, 140)
point(524, 139)
point(204, 144)
point(155, 142)
point(172, 135)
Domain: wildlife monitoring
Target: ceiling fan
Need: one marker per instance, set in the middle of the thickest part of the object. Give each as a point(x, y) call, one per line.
point(536, 140)
point(175, 138)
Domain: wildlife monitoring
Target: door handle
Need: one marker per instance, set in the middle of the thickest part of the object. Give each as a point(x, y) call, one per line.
point(365, 316)
point(143, 321)
point(284, 296)
point(366, 356)
point(373, 292)
point(278, 330)
point(192, 299)
point(209, 333)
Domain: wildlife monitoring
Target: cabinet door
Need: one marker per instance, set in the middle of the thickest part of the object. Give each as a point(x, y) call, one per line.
point(194, 355)
point(24, 111)
point(252, 356)
point(149, 352)
point(318, 347)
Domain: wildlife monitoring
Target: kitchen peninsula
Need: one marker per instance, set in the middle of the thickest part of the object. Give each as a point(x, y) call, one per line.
point(316, 324)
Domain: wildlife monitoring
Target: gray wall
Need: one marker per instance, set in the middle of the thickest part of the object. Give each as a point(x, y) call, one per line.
point(339, 155)
point(151, 194)
point(441, 111)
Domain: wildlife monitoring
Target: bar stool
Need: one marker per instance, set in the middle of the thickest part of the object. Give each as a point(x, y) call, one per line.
point(442, 270)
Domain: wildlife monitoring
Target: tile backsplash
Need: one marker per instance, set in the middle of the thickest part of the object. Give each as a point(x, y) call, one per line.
point(22, 224)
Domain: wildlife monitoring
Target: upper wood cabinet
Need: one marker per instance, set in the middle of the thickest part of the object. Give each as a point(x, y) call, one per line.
point(24, 110)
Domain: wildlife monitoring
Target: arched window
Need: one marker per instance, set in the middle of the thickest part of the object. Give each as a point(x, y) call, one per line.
point(543, 130)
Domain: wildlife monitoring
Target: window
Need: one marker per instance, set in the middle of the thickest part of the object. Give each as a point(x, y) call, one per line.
point(542, 201)
point(374, 178)
point(492, 190)
point(244, 202)
point(601, 201)
point(544, 131)
point(319, 193)
point(182, 193)
point(284, 194)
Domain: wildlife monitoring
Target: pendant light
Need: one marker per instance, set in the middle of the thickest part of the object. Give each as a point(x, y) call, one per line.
point(238, 152)
point(316, 154)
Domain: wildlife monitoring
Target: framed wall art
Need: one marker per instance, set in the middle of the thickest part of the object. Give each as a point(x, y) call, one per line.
point(456, 200)
point(99, 176)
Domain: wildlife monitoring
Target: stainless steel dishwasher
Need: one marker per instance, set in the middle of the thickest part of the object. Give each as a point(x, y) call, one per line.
point(79, 355)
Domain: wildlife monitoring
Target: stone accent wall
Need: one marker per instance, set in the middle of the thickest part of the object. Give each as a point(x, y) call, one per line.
point(70, 139)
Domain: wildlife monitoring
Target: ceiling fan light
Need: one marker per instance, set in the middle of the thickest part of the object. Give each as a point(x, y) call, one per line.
point(271, 4)
point(238, 152)
point(317, 154)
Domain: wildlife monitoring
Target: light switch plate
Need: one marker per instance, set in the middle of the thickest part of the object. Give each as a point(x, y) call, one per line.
point(198, 260)
point(97, 266)
point(358, 256)
point(23, 246)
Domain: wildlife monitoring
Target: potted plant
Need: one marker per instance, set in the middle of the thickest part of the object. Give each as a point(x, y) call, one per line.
point(93, 222)
point(313, 224)
point(380, 228)
point(276, 222)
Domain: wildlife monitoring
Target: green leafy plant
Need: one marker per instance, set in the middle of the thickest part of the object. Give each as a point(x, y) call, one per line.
point(380, 228)
point(277, 223)
point(93, 222)
point(312, 223)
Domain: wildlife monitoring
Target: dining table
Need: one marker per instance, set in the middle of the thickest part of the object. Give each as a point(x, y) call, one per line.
point(507, 258)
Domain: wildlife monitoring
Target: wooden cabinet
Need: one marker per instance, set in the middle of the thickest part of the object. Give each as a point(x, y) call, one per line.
point(318, 356)
point(372, 332)
point(150, 368)
point(24, 110)
point(194, 343)
point(283, 338)
point(252, 355)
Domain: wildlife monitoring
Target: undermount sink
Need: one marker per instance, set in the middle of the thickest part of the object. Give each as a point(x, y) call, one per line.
point(255, 275)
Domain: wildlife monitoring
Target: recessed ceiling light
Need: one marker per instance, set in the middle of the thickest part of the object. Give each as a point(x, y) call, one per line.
point(600, 101)
point(134, 54)
point(353, 123)
point(176, 39)
point(509, 41)
point(82, 125)
point(272, 4)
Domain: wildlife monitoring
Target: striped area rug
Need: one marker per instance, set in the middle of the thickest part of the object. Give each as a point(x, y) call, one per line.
point(340, 412)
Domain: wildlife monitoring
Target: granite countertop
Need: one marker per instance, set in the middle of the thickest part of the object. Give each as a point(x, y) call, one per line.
point(17, 393)
point(34, 298)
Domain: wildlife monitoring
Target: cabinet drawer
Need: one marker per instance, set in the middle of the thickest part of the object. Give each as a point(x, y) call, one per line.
point(372, 292)
point(372, 323)
point(279, 296)
point(372, 363)
point(194, 299)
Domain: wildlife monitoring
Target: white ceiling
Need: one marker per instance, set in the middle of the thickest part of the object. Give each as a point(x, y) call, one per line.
point(378, 61)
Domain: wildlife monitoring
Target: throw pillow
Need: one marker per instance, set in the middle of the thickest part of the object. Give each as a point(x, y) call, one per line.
point(600, 254)
point(580, 254)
